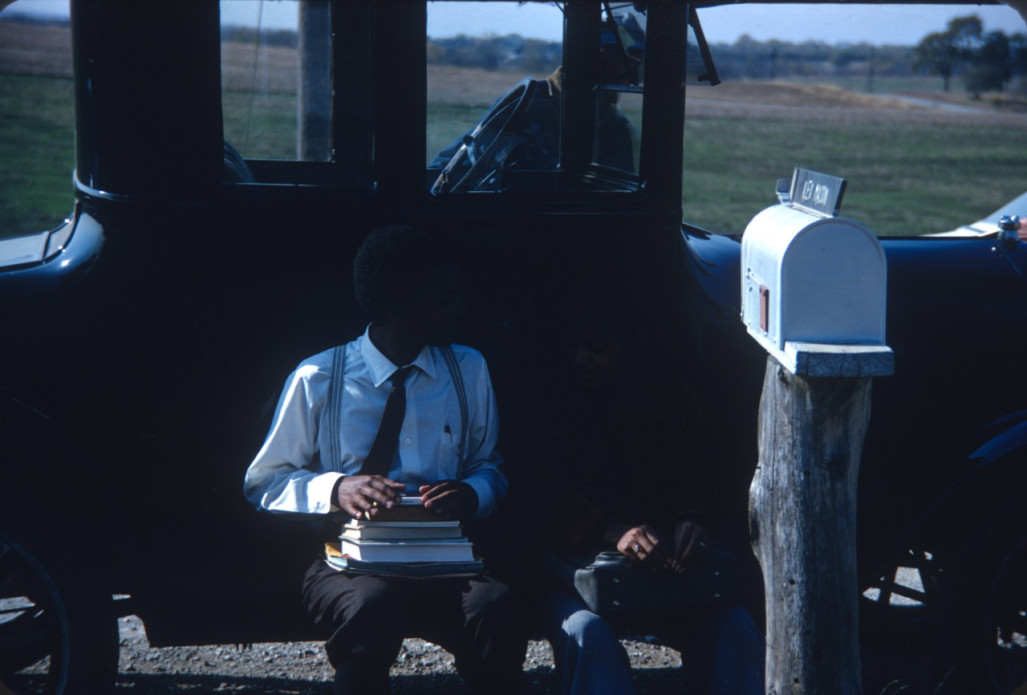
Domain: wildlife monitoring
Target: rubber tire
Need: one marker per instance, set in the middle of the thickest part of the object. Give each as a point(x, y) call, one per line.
point(1000, 590)
point(967, 662)
point(84, 655)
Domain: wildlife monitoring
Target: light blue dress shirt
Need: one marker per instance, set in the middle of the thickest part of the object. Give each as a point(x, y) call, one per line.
point(290, 473)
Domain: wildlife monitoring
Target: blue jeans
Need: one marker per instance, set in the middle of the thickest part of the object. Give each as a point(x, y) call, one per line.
point(738, 654)
point(723, 653)
point(590, 660)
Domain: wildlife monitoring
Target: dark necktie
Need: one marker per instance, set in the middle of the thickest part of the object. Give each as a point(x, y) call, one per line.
point(383, 450)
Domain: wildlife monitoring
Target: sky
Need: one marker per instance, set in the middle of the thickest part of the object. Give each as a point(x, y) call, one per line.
point(876, 24)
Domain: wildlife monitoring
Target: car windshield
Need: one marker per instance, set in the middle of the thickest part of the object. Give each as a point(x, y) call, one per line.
point(515, 144)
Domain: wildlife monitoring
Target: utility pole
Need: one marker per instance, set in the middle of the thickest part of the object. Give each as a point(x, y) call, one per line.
point(314, 98)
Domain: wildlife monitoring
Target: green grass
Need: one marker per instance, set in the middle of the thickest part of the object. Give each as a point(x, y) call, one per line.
point(263, 127)
point(447, 122)
point(882, 84)
point(37, 139)
point(902, 179)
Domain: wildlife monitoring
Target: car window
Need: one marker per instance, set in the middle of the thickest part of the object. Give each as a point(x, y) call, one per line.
point(495, 101)
point(37, 119)
point(283, 110)
point(260, 92)
point(843, 91)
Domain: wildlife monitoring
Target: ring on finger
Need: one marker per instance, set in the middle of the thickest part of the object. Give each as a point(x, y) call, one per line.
point(638, 549)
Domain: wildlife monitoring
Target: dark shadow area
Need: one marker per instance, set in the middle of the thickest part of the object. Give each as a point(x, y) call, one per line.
point(540, 681)
point(151, 684)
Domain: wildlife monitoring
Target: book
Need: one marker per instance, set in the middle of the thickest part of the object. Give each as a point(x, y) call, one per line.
point(447, 550)
point(401, 530)
point(409, 508)
point(415, 570)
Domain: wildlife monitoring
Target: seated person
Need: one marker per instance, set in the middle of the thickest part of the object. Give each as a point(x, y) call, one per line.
point(624, 472)
point(521, 131)
point(361, 424)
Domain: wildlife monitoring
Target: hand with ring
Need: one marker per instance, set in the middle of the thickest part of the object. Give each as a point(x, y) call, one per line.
point(642, 544)
point(361, 496)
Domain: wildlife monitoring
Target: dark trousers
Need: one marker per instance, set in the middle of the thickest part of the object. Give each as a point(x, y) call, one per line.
point(368, 617)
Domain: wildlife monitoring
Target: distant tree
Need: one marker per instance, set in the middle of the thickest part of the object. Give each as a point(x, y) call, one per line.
point(1018, 55)
point(992, 65)
point(941, 53)
point(995, 62)
point(982, 77)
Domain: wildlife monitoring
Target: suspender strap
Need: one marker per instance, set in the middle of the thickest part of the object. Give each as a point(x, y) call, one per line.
point(332, 458)
point(461, 394)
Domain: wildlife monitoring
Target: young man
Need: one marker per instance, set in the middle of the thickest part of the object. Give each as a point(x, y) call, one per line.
point(325, 437)
point(625, 473)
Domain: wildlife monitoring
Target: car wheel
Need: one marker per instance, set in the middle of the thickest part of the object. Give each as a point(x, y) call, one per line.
point(1002, 622)
point(58, 634)
point(988, 631)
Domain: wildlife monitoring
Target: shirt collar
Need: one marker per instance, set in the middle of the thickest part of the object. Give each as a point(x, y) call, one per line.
point(381, 367)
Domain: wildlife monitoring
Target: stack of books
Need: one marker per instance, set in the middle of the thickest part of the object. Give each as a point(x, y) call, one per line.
point(407, 541)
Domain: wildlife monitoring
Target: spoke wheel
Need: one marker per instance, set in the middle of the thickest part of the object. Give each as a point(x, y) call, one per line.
point(57, 636)
point(1004, 622)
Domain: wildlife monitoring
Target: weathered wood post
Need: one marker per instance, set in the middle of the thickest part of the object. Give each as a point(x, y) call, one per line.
point(813, 290)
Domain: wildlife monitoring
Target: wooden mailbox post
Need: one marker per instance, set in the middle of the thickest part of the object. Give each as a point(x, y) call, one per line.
point(813, 294)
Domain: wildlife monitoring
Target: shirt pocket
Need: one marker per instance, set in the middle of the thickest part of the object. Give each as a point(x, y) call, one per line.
point(448, 454)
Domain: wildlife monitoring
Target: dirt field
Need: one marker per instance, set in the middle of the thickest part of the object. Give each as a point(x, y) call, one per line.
point(795, 102)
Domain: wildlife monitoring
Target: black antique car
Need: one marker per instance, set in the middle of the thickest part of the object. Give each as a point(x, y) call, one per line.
point(145, 340)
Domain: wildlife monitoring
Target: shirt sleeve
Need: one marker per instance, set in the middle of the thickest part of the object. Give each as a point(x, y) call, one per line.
point(482, 469)
point(286, 476)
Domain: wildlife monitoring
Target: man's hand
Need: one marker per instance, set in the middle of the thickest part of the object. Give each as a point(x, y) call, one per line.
point(643, 544)
point(450, 499)
point(361, 495)
point(690, 540)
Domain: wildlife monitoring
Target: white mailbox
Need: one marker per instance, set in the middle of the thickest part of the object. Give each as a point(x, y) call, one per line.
point(813, 292)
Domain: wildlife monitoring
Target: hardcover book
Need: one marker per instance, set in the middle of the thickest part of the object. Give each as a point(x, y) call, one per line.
point(452, 550)
point(415, 570)
point(401, 530)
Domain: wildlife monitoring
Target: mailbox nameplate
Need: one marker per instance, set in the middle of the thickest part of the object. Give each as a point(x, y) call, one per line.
point(816, 193)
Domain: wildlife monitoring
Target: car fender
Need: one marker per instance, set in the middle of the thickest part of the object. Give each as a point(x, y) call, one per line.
point(981, 502)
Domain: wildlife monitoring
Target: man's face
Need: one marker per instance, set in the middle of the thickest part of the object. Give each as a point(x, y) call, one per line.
point(437, 312)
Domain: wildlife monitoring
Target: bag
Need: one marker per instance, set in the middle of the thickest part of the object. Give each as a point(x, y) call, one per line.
point(624, 591)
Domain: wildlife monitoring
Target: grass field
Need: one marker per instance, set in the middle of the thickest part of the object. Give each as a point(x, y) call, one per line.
point(37, 152)
point(903, 179)
point(908, 173)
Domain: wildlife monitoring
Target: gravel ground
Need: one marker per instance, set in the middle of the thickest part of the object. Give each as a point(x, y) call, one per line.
point(300, 668)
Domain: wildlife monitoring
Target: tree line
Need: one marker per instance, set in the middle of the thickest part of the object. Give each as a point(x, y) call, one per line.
point(750, 59)
point(987, 61)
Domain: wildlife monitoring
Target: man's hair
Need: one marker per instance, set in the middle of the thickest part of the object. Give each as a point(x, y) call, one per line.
point(392, 265)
